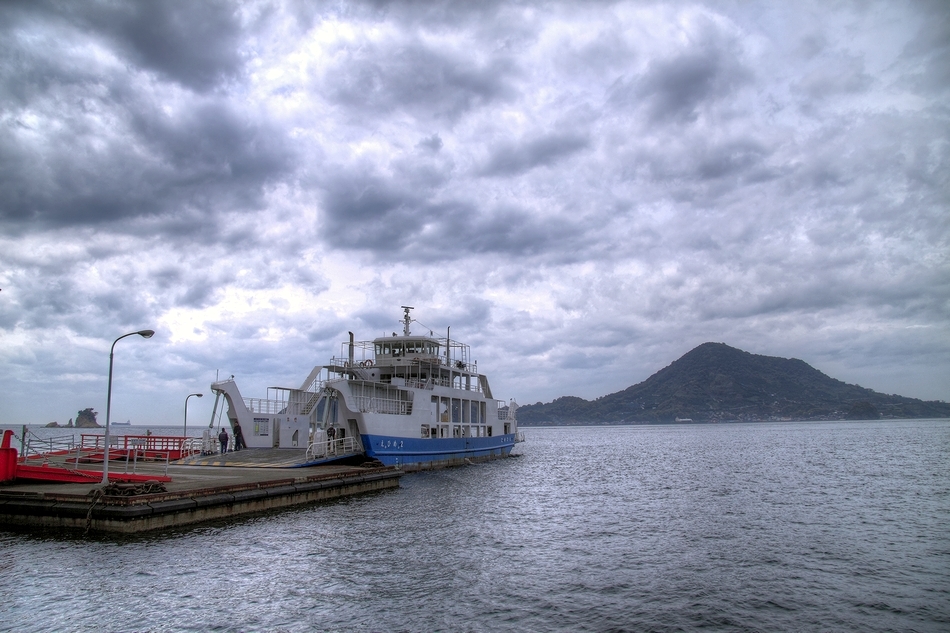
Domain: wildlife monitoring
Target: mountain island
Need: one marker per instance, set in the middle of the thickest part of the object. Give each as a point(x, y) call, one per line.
point(718, 383)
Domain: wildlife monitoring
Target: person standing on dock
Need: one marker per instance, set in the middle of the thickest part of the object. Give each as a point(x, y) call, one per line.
point(223, 438)
point(238, 437)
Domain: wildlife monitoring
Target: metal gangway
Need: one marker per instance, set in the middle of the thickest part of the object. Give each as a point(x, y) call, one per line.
point(334, 449)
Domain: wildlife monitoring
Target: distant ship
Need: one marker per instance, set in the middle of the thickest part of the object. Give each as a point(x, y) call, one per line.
point(126, 423)
point(413, 401)
point(684, 419)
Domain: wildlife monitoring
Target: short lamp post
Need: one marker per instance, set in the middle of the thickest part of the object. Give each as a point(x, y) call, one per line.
point(185, 429)
point(105, 461)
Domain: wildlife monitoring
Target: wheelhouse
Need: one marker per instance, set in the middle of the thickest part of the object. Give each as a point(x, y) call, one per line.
point(398, 348)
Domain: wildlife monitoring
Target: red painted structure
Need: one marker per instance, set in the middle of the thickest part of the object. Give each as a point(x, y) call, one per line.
point(7, 458)
point(150, 448)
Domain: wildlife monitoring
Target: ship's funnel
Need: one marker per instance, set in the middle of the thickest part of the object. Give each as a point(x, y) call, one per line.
point(351, 349)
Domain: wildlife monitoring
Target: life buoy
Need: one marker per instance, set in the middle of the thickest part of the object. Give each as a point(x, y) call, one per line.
point(366, 363)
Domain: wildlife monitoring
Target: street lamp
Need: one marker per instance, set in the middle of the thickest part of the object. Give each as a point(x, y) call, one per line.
point(105, 461)
point(185, 430)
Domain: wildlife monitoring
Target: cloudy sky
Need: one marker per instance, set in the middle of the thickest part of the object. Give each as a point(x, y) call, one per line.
point(583, 191)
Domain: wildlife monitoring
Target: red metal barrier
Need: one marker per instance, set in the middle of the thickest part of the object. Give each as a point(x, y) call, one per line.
point(7, 458)
point(10, 470)
point(62, 475)
point(152, 446)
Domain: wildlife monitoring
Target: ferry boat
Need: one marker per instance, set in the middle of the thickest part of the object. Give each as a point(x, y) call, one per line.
point(409, 400)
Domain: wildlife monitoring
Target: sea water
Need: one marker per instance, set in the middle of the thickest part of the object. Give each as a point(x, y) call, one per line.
point(808, 526)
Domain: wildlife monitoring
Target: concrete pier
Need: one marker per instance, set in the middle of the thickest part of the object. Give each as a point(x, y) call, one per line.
point(195, 494)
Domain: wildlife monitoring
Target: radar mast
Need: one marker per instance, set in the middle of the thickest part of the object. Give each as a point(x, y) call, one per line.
point(406, 320)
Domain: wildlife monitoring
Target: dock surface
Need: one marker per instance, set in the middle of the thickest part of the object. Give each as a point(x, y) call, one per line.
point(234, 484)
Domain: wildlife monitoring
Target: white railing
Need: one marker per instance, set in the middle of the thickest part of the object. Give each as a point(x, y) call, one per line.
point(505, 412)
point(367, 404)
point(303, 402)
point(316, 385)
point(420, 384)
point(35, 445)
point(263, 405)
point(334, 448)
point(344, 361)
point(62, 451)
point(131, 455)
point(473, 385)
point(192, 446)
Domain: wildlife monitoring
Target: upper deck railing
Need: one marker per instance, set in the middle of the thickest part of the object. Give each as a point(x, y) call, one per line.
point(265, 406)
point(399, 350)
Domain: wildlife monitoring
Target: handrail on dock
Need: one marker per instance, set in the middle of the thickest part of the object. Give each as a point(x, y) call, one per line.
point(35, 446)
point(191, 446)
point(334, 448)
point(133, 457)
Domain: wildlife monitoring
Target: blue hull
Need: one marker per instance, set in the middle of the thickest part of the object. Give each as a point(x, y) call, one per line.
point(435, 453)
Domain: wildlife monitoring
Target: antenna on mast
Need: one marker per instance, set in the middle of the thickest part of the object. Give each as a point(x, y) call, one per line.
point(406, 320)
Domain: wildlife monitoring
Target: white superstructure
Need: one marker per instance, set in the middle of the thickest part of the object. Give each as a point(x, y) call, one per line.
point(416, 401)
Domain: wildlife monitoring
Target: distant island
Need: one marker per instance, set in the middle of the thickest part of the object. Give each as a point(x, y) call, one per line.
point(718, 383)
point(85, 419)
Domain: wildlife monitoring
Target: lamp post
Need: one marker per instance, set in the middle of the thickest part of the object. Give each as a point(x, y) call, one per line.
point(185, 429)
point(105, 461)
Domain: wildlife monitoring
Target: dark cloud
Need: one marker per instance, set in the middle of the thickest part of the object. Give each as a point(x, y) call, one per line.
point(927, 54)
point(374, 78)
point(86, 140)
point(678, 87)
point(364, 211)
point(692, 161)
point(367, 212)
point(193, 43)
point(512, 159)
point(836, 74)
point(433, 143)
point(112, 163)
